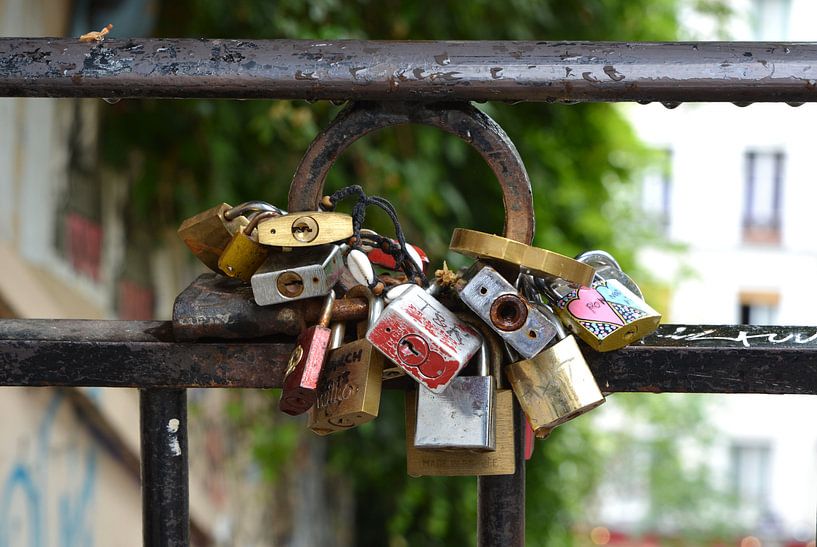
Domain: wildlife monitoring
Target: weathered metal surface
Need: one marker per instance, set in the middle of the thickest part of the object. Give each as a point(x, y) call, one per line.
point(462, 120)
point(130, 354)
point(214, 306)
point(165, 486)
point(677, 358)
point(501, 498)
point(413, 71)
point(712, 359)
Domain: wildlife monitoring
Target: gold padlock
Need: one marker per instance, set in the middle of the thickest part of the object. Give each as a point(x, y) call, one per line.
point(243, 255)
point(457, 462)
point(556, 385)
point(208, 233)
point(350, 385)
point(305, 229)
point(539, 262)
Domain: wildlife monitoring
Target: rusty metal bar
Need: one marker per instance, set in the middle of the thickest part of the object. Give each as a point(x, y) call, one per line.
point(165, 498)
point(409, 71)
point(677, 358)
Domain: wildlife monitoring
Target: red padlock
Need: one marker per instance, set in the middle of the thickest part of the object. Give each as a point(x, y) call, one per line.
point(300, 389)
point(379, 257)
point(423, 337)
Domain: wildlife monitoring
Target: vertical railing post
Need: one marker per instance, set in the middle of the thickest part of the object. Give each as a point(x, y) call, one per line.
point(501, 498)
point(165, 503)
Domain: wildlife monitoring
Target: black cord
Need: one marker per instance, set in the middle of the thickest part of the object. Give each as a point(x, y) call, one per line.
point(400, 251)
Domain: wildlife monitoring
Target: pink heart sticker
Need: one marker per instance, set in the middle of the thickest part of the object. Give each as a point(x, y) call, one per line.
point(591, 306)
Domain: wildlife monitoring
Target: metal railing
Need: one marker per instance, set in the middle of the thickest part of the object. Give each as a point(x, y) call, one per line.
point(148, 355)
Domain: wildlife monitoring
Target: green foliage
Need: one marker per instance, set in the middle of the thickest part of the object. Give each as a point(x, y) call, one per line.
point(187, 155)
point(654, 454)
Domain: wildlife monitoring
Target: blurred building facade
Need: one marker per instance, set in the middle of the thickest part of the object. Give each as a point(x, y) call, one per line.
point(69, 467)
point(735, 188)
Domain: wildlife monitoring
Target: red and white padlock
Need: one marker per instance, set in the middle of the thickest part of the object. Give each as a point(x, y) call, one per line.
point(423, 337)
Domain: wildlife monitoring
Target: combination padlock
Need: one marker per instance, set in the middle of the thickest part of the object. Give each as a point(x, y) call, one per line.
point(243, 255)
point(528, 259)
point(422, 336)
point(555, 386)
point(306, 363)
point(462, 416)
point(501, 461)
point(606, 315)
point(305, 229)
point(208, 233)
point(349, 389)
point(501, 307)
point(286, 276)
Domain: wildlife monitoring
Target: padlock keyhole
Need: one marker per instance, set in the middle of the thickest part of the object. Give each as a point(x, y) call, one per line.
point(305, 229)
point(410, 347)
point(290, 284)
point(412, 350)
point(508, 312)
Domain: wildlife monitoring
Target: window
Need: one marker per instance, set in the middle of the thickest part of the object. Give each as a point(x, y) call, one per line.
point(750, 464)
point(764, 181)
point(758, 308)
point(655, 191)
point(770, 20)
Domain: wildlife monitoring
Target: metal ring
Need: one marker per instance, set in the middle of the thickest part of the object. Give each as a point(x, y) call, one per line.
point(460, 119)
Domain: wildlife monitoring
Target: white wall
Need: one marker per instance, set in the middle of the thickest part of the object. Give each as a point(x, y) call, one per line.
point(708, 143)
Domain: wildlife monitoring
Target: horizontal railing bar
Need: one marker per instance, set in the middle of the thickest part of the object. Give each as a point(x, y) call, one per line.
point(677, 358)
point(343, 70)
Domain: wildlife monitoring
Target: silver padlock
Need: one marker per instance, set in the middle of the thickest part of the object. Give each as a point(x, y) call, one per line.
point(297, 274)
point(461, 417)
point(423, 337)
point(499, 304)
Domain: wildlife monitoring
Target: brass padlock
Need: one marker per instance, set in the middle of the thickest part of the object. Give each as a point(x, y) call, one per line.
point(606, 315)
point(556, 385)
point(208, 233)
point(468, 462)
point(305, 229)
point(244, 254)
point(349, 387)
point(529, 259)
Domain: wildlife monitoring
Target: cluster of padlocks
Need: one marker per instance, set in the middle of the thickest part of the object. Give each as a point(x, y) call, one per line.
point(464, 337)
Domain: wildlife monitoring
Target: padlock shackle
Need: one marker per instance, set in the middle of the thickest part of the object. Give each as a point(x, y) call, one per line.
point(598, 258)
point(338, 332)
point(257, 217)
point(326, 311)
point(460, 119)
point(482, 357)
point(251, 206)
point(602, 261)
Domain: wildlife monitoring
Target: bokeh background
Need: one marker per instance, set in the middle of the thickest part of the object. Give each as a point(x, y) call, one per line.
point(707, 206)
